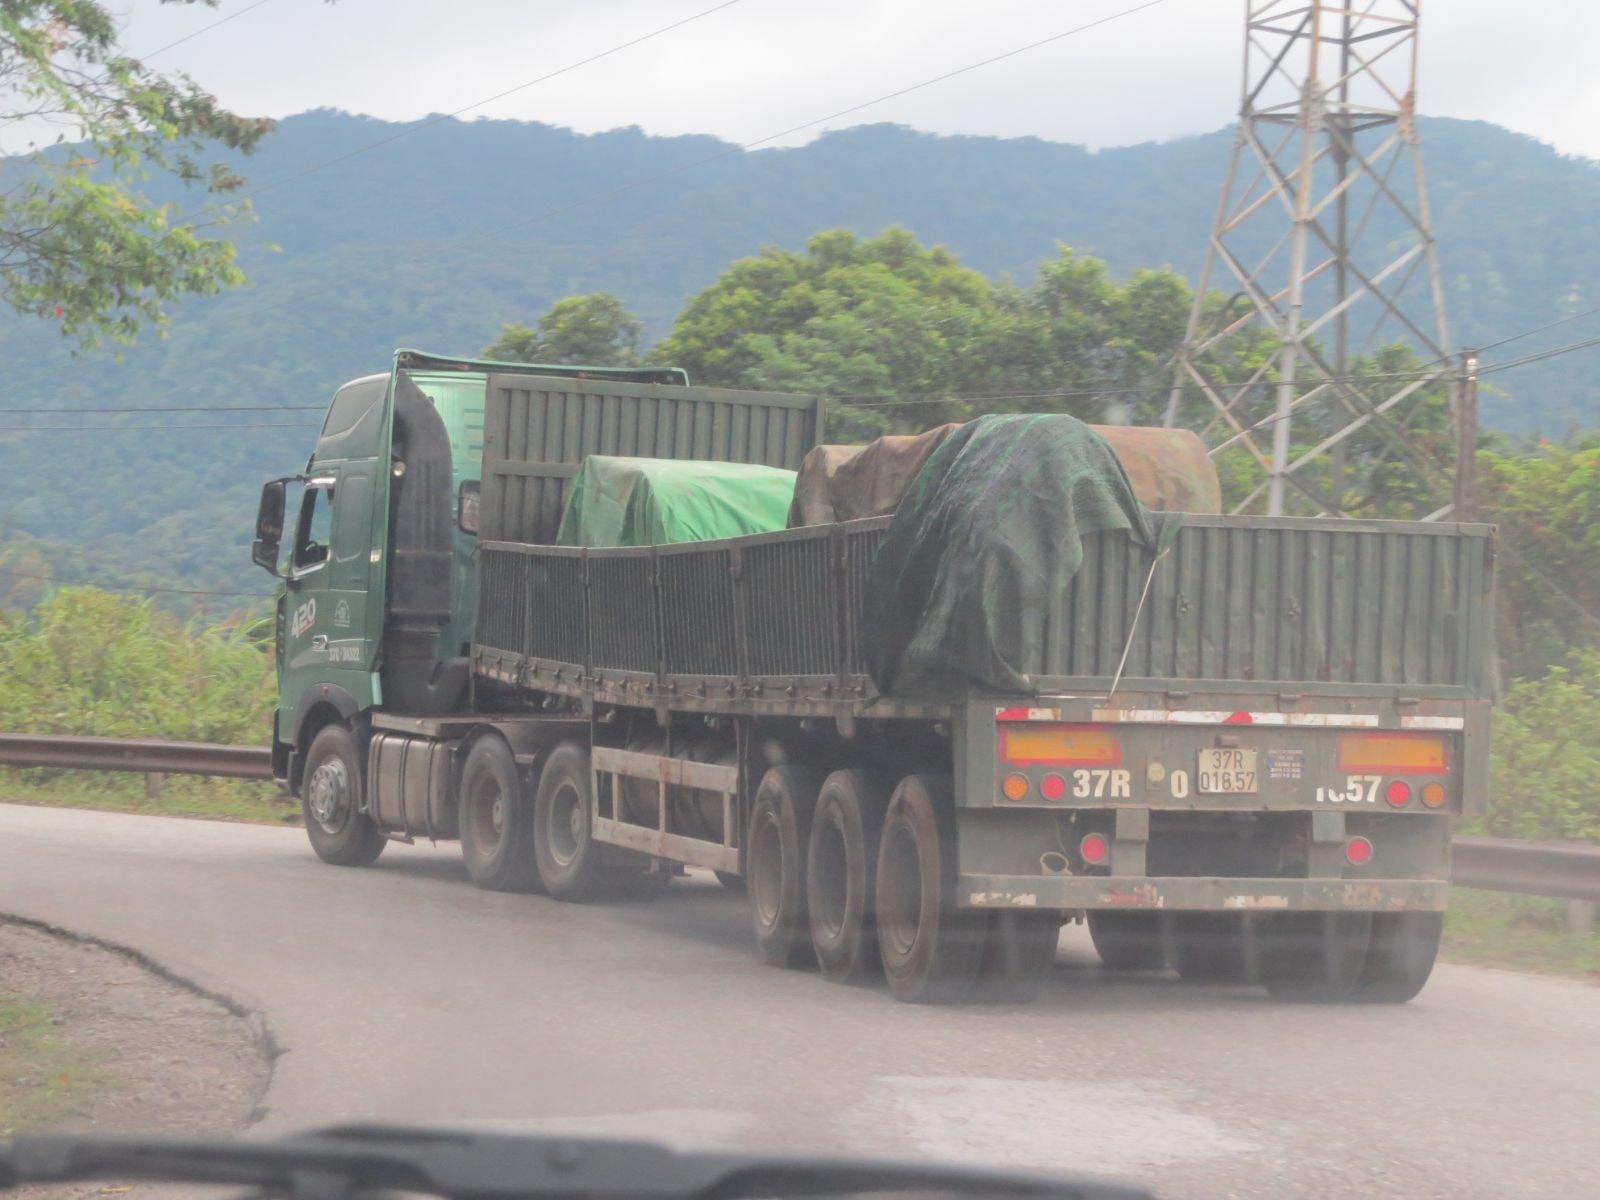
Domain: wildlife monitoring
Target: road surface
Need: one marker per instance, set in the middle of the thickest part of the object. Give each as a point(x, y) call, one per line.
point(402, 993)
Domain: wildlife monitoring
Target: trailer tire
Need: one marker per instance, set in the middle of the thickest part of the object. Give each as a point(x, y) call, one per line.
point(1210, 947)
point(1127, 941)
point(841, 869)
point(775, 865)
point(1400, 956)
point(1019, 955)
point(496, 820)
point(1314, 957)
point(929, 946)
point(330, 802)
point(563, 834)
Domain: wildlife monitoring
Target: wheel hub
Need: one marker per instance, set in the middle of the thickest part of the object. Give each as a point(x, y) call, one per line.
point(328, 795)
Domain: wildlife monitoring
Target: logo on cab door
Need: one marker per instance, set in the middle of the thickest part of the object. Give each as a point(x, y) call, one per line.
point(304, 618)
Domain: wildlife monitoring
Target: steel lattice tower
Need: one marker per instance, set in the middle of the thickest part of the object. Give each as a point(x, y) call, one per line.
point(1323, 236)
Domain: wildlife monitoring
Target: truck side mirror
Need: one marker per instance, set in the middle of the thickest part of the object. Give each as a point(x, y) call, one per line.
point(467, 506)
point(269, 527)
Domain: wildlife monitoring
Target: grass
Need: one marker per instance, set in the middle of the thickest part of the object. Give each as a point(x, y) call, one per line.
point(1520, 933)
point(179, 795)
point(43, 1078)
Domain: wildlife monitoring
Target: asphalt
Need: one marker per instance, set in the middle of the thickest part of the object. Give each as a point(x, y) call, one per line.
point(402, 993)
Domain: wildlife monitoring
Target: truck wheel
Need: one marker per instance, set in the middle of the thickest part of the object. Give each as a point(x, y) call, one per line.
point(1127, 941)
point(330, 800)
point(496, 824)
point(1400, 956)
point(775, 865)
point(563, 841)
point(1314, 957)
point(841, 860)
point(930, 947)
point(1019, 955)
point(1210, 947)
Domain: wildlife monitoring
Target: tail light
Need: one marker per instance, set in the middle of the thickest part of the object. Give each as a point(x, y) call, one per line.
point(1358, 852)
point(1398, 793)
point(1034, 744)
point(1015, 786)
point(1433, 794)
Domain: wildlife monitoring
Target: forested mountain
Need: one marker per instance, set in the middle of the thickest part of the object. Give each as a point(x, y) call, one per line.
point(436, 238)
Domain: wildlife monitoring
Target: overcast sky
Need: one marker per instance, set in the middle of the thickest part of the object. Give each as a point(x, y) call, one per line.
point(760, 66)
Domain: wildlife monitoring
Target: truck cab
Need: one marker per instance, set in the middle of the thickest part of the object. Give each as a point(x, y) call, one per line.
point(373, 542)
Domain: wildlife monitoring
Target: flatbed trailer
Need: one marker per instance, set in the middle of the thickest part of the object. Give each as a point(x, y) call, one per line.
point(1241, 760)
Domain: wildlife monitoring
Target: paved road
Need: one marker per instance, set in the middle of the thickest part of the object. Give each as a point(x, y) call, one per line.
point(403, 993)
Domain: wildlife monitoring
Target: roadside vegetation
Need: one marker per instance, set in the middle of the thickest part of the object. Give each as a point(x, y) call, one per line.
point(43, 1078)
point(85, 661)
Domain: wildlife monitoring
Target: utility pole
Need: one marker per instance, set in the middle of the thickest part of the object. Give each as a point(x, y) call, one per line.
point(1465, 503)
point(1324, 238)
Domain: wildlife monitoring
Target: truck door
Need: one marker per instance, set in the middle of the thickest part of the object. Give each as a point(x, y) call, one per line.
point(325, 626)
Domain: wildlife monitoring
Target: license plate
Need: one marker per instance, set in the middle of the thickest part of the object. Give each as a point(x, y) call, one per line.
point(1226, 772)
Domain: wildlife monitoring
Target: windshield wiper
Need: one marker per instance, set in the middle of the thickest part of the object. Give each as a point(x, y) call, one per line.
point(342, 1161)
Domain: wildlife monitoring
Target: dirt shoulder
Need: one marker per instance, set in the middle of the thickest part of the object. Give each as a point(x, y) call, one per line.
point(92, 1038)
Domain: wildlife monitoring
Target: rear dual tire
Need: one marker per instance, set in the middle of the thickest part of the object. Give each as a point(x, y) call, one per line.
point(497, 828)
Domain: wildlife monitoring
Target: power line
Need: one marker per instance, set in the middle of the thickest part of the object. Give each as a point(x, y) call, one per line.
point(655, 179)
point(203, 29)
point(1517, 337)
point(1540, 356)
point(435, 120)
point(130, 591)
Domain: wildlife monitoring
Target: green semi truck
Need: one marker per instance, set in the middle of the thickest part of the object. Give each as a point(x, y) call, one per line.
point(1241, 761)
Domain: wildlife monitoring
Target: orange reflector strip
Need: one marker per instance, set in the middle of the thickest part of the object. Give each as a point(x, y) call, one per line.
point(1059, 745)
point(1393, 754)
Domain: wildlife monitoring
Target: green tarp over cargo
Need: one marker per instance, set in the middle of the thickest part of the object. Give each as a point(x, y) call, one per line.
point(979, 556)
point(654, 501)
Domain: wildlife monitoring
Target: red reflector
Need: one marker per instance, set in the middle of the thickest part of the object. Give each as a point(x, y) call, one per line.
point(1358, 852)
point(1095, 849)
point(1053, 787)
point(1240, 718)
point(1398, 794)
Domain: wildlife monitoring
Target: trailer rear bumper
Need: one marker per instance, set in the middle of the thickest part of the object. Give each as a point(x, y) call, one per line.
point(1202, 893)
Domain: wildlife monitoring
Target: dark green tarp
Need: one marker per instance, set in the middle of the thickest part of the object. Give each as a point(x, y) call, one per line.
point(653, 501)
point(980, 554)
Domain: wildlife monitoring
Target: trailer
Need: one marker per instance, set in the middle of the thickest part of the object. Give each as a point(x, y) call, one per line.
point(1241, 762)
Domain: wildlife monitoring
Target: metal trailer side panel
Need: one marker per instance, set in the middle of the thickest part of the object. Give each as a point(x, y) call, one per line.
point(1241, 605)
point(539, 429)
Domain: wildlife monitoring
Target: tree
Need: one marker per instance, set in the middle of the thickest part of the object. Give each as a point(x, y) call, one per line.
point(79, 242)
point(593, 330)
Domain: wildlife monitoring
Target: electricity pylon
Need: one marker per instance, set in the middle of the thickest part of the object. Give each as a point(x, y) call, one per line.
point(1323, 236)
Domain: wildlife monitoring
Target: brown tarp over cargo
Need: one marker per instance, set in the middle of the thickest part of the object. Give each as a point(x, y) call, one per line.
point(1169, 469)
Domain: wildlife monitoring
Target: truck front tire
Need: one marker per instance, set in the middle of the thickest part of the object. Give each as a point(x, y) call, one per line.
point(496, 821)
point(563, 833)
point(330, 802)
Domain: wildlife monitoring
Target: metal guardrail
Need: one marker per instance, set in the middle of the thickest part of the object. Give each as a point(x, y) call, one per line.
point(147, 756)
point(1565, 870)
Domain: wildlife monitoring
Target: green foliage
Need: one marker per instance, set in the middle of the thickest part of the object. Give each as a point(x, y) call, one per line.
point(79, 242)
point(1547, 505)
point(89, 662)
point(907, 337)
point(1546, 756)
point(591, 331)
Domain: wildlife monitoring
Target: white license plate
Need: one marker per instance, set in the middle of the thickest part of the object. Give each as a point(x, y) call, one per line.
point(1226, 772)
